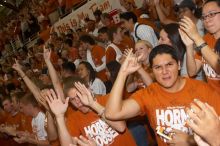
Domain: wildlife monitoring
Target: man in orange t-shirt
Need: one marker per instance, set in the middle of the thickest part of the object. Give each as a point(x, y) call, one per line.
point(165, 101)
point(95, 55)
point(88, 119)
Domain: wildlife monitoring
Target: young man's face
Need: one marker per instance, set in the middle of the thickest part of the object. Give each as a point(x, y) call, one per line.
point(76, 102)
point(7, 105)
point(126, 24)
point(165, 70)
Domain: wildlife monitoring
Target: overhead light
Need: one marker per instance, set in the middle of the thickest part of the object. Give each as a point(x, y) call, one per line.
point(1, 5)
point(4, 0)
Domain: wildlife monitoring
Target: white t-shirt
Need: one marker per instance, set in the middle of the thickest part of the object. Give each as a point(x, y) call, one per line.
point(145, 32)
point(97, 87)
point(38, 126)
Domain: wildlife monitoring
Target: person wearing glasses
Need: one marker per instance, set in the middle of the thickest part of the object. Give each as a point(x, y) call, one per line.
point(210, 59)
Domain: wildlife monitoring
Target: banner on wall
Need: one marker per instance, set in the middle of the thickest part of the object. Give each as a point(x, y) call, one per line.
point(73, 19)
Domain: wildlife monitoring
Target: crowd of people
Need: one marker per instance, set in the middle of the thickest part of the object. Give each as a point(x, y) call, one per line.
point(152, 79)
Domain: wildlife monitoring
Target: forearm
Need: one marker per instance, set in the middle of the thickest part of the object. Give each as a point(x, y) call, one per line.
point(51, 128)
point(55, 79)
point(117, 125)
point(114, 104)
point(162, 17)
point(145, 76)
point(208, 54)
point(64, 136)
point(190, 62)
point(30, 84)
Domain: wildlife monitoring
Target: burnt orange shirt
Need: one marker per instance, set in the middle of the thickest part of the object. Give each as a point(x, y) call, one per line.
point(168, 110)
point(212, 77)
point(91, 124)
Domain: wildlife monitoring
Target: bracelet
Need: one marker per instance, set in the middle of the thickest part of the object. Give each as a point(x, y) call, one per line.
point(23, 76)
point(198, 49)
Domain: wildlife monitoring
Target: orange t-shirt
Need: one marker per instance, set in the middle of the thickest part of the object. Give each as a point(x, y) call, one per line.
point(54, 57)
point(167, 110)
point(71, 3)
point(212, 77)
point(98, 53)
point(91, 124)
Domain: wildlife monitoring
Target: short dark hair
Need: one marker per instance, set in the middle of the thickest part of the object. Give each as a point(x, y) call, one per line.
point(103, 30)
point(128, 15)
point(69, 42)
point(113, 67)
point(69, 67)
point(97, 13)
point(163, 49)
point(111, 32)
point(87, 39)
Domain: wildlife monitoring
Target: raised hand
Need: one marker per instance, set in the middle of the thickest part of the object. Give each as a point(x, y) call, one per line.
point(204, 121)
point(47, 53)
point(187, 25)
point(55, 103)
point(16, 66)
point(186, 39)
point(130, 64)
point(156, 2)
point(179, 138)
point(84, 94)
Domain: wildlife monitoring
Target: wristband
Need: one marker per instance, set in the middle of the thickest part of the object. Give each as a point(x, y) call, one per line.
point(198, 48)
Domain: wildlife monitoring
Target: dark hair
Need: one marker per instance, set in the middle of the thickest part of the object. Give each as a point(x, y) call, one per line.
point(69, 67)
point(106, 15)
point(128, 15)
point(69, 42)
point(163, 49)
point(111, 32)
point(208, 1)
point(175, 38)
point(103, 30)
point(113, 67)
point(92, 72)
point(97, 13)
point(87, 39)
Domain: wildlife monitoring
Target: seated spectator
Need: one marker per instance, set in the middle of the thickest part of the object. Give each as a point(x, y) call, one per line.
point(138, 32)
point(87, 73)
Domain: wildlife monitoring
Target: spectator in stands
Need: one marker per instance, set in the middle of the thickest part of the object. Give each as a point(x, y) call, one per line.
point(164, 62)
point(29, 106)
point(98, 21)
point(72, 52)
point(87, 73)
point(206, 47)
point(95, 55)
point(138, 32)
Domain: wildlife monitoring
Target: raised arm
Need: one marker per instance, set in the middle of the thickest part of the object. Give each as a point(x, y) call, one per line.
point(163, 18)
point(30, 84)
point(59, 108)
point(193, 65)
point(116, 108)
point(87, 99)
point(53, 74)
point(208, 54)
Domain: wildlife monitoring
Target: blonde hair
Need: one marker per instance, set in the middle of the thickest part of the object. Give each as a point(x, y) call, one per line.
point(146, 43)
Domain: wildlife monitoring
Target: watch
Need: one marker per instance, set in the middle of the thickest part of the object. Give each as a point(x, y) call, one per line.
point(198, 48)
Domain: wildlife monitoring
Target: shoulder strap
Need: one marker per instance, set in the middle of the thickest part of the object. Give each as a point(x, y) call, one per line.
point(135, 31)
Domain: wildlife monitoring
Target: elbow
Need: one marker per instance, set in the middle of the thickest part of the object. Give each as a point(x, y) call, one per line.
point(121, 128)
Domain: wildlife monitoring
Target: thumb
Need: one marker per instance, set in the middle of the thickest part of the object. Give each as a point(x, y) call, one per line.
point(67, 101)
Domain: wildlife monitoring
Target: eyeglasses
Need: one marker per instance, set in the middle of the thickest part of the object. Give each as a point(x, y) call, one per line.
point(209, 15)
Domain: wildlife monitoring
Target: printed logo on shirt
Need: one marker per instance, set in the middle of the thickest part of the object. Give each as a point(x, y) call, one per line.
point(172, 118)
point(101, 132)
point(209, 71)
